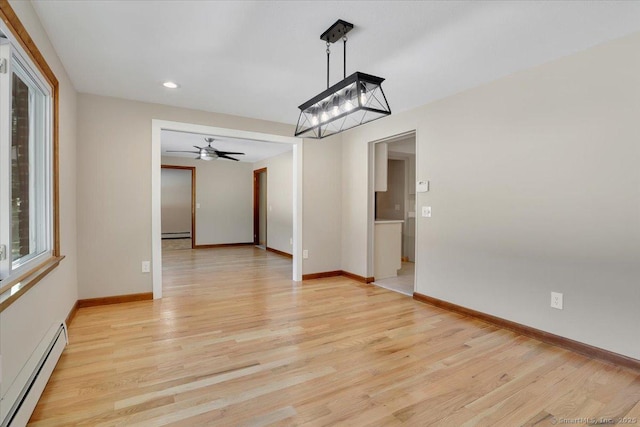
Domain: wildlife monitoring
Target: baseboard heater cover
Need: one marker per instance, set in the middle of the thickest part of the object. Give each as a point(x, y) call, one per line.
point(43, 360)
point(176, 235)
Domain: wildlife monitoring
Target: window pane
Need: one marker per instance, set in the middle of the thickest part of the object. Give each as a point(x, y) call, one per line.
point(20, 169)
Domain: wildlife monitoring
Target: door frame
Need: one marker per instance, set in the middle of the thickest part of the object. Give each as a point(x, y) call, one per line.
point(193, 198)
point(156, 153)
point(372, 204)
point(256, 207)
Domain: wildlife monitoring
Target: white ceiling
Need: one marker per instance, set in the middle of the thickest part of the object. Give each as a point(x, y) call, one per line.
point(254, 150)
point(262, 59)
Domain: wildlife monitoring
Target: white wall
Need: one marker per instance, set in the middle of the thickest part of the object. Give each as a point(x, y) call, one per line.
point(114, 171)
point(224, 190)
point(176, 200)
point(534, 188)
point(322, 177)
point(25, 322)
point(279, 200)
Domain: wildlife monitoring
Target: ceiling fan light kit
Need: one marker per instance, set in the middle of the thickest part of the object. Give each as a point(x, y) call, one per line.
point(356, 100)
point(209, 153)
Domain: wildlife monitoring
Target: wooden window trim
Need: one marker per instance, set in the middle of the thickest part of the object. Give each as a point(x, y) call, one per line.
point(26, 281)
point(34, 275)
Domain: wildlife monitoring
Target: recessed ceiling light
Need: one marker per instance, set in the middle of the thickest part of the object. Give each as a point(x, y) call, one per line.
point(170, 85)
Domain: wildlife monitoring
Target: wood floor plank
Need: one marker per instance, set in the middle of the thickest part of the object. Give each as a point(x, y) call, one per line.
point(236, 342)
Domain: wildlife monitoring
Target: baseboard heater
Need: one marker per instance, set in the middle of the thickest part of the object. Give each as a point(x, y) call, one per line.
point(177, 235)
point(30, 382)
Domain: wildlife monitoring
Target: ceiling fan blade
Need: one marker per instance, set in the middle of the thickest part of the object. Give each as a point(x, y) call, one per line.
point(180, 151)
point(223, 156)
point(227, 152)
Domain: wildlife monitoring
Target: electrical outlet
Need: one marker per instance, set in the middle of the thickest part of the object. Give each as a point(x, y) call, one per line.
point(556, 300)
point(146, 266)
point(305, 254)
point(291, 240)
point(426, 211)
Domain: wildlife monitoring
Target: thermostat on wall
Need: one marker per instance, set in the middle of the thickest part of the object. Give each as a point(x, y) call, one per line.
point(422, 186)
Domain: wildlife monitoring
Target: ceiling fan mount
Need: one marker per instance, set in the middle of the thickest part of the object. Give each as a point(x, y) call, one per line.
point(208, 152)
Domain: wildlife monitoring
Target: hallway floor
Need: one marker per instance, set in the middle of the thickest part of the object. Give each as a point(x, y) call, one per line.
point(403, 283)
point(175, 244)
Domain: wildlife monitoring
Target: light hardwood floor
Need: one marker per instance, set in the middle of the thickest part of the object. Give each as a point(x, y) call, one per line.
point(235, 342)
point(175, 244)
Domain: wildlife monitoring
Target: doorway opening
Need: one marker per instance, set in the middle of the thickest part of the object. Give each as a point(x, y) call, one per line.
point(260, 208)
point(178, 224)
point(223, 201)
point(392, 194)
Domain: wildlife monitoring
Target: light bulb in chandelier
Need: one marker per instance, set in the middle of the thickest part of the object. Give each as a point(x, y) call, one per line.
point(335, 110)
point(313, 112)
point(324, 108)
point(363, 95)
point(349, 96)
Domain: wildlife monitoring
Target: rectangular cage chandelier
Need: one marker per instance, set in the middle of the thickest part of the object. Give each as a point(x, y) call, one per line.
point(354, 101)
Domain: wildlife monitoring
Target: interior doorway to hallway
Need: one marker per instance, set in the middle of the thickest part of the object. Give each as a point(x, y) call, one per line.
point(219, 185)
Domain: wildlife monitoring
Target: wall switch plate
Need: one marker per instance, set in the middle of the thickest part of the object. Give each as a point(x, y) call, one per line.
point(146, 266)
point(197, 205)
point(556, 300)
point(305, 254)
point(422, 186)
point(291, 240)
point(426, 211)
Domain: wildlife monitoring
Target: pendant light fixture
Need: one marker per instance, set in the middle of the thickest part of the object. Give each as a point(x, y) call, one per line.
point(355, 100)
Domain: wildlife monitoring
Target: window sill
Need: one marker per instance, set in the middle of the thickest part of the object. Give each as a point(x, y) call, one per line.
point(15, 288)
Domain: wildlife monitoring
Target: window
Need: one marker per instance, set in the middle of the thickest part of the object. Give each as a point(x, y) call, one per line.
point(26, 167)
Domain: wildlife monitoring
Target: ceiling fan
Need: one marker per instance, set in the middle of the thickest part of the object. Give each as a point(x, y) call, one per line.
point(208, 152)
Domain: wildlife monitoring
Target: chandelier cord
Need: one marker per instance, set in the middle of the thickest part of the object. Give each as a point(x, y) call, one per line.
point(328, 54)
point(344, 59)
